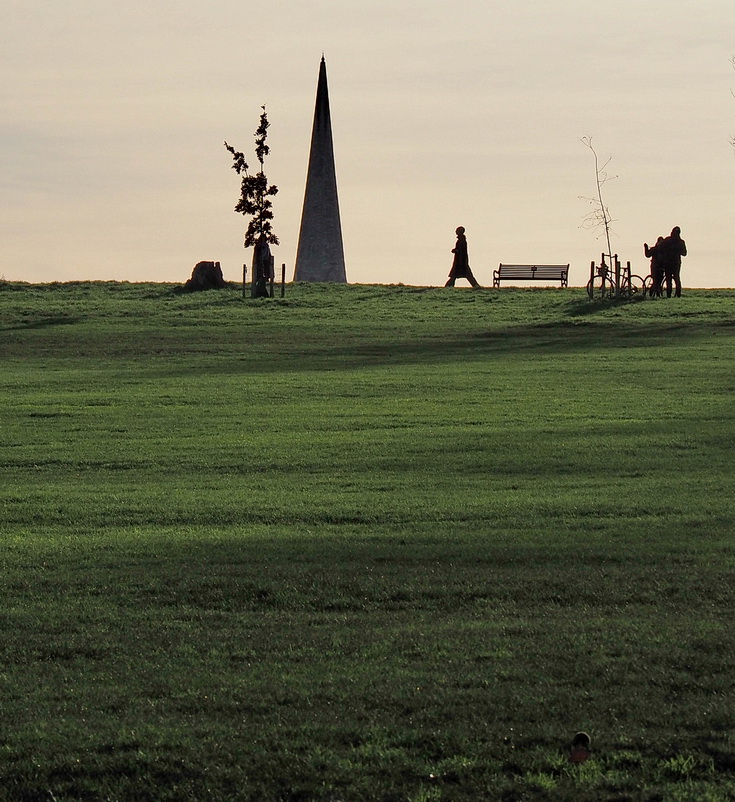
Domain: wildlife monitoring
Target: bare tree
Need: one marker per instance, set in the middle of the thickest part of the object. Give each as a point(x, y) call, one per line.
point(598, 219)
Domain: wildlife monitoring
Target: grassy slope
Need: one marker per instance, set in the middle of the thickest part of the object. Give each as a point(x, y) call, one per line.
point(365, 543)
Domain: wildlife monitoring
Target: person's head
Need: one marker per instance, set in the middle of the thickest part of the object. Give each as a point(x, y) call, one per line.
point(659, 240)
point(675, 231)
point(459, 231)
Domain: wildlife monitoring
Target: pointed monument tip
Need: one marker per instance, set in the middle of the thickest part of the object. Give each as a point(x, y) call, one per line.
point(320, 252)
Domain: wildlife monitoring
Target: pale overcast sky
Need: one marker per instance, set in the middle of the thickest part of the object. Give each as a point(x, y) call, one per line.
point(470, 112)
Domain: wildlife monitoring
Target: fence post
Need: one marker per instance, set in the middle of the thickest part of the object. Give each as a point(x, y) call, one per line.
point(283, 280)
point(244, 280)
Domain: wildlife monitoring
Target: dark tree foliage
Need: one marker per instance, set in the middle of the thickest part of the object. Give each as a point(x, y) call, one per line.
point(255, 193)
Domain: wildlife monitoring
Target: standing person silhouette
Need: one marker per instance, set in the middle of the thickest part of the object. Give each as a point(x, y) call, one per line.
point(461, 263)
point(657, 268)
point(672, 249)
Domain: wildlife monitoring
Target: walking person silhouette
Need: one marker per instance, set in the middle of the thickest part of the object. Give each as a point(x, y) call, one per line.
point(461, 263)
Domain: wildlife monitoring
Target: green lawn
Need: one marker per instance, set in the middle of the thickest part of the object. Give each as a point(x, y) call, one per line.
point(365, 543)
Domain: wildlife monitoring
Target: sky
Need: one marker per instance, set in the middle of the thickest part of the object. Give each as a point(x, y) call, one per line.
point(444, 113)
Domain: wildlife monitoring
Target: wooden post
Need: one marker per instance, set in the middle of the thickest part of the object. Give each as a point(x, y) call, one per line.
point(283, 280)
point(605, 273)
point(591, 285)
point(617, 276)
point(271, 276)
point(244, 280)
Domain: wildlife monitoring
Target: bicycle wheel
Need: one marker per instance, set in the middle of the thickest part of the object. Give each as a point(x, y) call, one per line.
point(600, 286)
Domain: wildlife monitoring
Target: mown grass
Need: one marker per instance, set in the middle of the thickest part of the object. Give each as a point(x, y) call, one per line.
point(365, 543)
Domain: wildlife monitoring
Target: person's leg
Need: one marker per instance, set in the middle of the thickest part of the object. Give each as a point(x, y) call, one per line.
point(658, 280)
point(450, 283)
point(668, 276)
point(677, 281)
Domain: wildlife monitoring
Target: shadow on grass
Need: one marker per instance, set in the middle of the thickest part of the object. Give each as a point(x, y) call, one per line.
point(586, 307)
point(43, 323)
point(544, 340)
point(346, 328)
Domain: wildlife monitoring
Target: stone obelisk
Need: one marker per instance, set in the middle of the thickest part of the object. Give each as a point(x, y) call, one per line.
point(320, 254)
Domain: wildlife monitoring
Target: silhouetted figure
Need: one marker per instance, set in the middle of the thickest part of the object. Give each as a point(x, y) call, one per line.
point(671, 251)
point(461, 263)
point(657, 268)
point(262, 268)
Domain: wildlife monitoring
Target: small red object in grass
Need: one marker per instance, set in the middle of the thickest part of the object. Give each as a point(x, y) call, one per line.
point(580, 750)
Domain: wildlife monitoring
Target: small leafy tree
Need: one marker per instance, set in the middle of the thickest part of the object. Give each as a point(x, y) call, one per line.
point(598, 218)
point(255, 193)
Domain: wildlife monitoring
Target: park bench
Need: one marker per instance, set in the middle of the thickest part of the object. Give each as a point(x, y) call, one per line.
point(531, 273)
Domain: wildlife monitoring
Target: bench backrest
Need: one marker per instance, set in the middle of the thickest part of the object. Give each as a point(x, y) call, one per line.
point(533, 271)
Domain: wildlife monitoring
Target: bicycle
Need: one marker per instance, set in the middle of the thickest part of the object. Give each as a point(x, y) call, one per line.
point(614, 282)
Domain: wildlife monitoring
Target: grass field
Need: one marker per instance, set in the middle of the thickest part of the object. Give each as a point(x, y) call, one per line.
point(365, 543)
